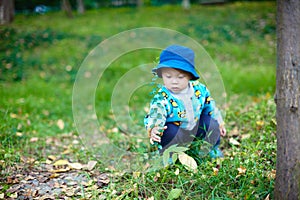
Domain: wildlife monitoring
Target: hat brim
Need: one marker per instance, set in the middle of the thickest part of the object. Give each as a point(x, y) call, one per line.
point(176, 64)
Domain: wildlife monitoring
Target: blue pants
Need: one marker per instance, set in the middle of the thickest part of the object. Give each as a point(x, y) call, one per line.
point(207, 129)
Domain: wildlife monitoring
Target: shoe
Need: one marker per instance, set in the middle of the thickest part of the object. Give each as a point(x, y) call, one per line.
point(216, 153)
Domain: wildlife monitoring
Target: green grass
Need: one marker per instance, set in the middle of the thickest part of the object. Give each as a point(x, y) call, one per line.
point(40, 56)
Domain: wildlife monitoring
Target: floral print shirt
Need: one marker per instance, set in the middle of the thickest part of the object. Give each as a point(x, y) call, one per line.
point(165, 107)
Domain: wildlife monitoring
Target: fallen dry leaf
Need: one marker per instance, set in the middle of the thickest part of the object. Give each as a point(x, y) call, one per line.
point(102, 179)
point(54, 175)
point(13, 115)
point(187, 161)
point(215, 171)
point(272, 174)
point(19, 134)
point(60, 123)
point(14, 195)
point(136, 174)
point(34, 139)
point(234, 142)
point(176, 172)
point(260, 123)
point(48, 162)
point(245, 136)
point(47, 197)
point(241, 170)
point(61, 162)
point(234, 132)
point(91, 164)
point(29, 177)
point(51, 157)
point(75, 166)
point(60, 170)
point(267, 197)
point(67, 151)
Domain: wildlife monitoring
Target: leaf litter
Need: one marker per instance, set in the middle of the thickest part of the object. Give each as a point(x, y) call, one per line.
point(54, 178)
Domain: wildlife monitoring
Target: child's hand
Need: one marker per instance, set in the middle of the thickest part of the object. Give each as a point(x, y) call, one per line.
point(222, 130)
point(156, 133)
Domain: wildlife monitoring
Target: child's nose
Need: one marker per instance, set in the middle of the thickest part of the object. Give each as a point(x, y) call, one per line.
point(174, 80)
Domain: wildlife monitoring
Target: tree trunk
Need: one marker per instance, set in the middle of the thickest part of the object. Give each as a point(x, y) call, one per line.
point(80, 7)
point(66, 6)
point(287, 185)
point(7, 11)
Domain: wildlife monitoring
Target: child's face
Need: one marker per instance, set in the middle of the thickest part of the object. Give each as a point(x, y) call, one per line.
point(175, 80)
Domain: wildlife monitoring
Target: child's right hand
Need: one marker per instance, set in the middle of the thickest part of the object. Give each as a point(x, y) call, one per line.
point(156, 133)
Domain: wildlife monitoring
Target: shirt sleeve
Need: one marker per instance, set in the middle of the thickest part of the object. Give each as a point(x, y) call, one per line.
point(157, 114)
point(211, 109)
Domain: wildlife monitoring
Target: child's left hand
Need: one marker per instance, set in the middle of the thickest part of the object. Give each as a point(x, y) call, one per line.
point(222, 130)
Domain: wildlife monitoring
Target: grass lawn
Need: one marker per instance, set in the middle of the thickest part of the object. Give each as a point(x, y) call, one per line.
point(40, 58)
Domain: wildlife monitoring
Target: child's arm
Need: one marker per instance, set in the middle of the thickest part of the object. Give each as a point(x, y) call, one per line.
point(155, 120)
point(211, 109)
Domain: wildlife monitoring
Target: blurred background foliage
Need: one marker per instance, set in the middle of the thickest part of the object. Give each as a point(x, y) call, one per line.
point(27, 6)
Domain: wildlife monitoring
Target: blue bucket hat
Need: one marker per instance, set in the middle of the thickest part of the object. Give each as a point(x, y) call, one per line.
point(177, 57)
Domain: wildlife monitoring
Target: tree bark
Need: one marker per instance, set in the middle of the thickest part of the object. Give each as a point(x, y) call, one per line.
point(80, 7)
point(66, 6)
point(287, 184)
point(7, 11)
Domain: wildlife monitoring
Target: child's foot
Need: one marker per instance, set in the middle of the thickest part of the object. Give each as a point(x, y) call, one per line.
point(216, 153)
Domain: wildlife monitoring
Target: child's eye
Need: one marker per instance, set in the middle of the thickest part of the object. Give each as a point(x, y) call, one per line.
point(181, 77)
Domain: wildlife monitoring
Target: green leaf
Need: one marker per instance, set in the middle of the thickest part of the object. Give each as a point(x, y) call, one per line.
point(174, 194)
point(172, 152)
